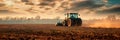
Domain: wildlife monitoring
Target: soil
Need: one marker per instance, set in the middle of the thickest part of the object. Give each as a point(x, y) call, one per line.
point(52, 32)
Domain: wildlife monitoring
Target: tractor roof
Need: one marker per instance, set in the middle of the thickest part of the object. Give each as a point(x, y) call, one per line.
point(72, 13)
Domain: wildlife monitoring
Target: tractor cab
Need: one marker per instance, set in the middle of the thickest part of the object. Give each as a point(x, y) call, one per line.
point(72, 15)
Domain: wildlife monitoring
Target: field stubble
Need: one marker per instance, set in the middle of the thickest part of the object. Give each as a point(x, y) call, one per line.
point(51, 32)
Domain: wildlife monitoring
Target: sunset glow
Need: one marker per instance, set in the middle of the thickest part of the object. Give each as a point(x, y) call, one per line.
point(54, 8)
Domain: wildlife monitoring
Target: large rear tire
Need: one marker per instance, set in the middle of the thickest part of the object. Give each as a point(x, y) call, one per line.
point(79, 22)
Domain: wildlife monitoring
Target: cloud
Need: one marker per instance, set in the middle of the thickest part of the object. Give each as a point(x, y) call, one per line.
point(55, 7)
point(61, 6)
point(4, 11)
point(1, 4)
point(25, 0)
point(115, 10)
point(85, 4)
point(52, 4)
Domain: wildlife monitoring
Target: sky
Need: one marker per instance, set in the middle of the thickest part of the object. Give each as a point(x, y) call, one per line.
point(88, 9)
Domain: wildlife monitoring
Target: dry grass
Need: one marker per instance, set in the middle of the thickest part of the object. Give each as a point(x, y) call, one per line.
point(51, 32)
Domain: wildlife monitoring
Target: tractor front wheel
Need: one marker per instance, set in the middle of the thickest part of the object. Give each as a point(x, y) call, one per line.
point(69, 22)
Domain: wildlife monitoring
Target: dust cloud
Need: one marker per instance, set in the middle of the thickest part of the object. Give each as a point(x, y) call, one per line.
point(110, 22)
point(105, 24)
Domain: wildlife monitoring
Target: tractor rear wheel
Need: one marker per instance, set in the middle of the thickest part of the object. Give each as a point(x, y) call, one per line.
point(79, 22)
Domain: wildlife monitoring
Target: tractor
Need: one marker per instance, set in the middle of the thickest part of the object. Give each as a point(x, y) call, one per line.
point(71, 19)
